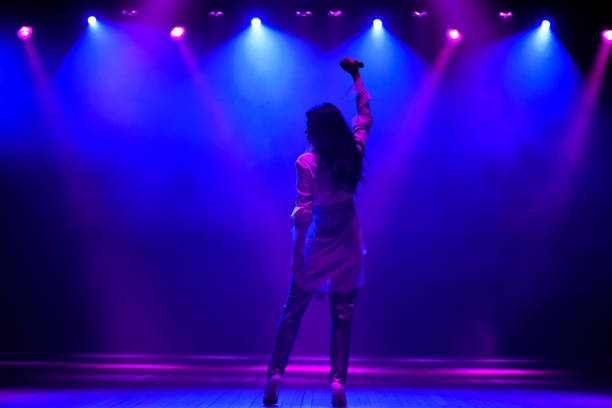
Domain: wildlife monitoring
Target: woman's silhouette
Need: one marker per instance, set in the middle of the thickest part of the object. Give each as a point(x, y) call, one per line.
point(327, 240)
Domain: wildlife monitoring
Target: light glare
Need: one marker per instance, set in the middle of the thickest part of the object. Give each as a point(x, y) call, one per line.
point(606, 35)
point(545, 25)
point(256, 22)
point(177, 33)
point(25, 32)
point(91, 20)
point(454, 35)
point(377, 23)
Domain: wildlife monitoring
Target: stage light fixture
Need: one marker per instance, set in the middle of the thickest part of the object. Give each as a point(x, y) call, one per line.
point(377, 23)
point(92, 21)
point(177, 33)
point(419, 14)
point(545, 25)
point(25, 32)
point(335, 13)
point(453, 35)
point(217, 13)
point(256, 22)
point(305, 13)
point(505, 14)
point(606, 35)
point(129, 12)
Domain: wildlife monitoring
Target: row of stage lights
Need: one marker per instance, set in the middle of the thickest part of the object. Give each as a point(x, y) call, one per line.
point(178, 32)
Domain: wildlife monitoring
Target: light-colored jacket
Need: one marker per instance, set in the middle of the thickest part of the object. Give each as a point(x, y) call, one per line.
point(327, 239)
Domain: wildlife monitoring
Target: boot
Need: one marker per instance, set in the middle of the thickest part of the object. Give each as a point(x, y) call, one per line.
point(271, 392)
point(338, 395)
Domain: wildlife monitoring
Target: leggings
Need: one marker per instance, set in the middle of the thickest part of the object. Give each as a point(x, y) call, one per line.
point(341, 305)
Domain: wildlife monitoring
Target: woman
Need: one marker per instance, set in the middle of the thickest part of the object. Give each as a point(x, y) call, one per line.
point(327, 241)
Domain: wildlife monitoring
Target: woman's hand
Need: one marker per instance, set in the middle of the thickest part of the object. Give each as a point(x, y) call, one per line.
point(296, 265)
point(351, 65)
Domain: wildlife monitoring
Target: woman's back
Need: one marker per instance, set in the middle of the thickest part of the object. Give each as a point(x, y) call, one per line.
point(327, 239)
point(324, 193)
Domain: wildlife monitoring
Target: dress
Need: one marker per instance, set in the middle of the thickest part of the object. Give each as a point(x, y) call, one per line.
point(328, 246)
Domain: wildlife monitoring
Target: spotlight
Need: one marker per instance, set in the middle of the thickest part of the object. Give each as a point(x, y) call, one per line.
point(129, 12)
point(377, 24)
point(419, 14)
point(217, 13)
point(177, 33)
point(505, 14)
point(453, 35)
point(336, 13)
point(607, 36)
point(545, 25)
point(303, 13)
point(92, 21)
point(256, 22)
point(25, 32)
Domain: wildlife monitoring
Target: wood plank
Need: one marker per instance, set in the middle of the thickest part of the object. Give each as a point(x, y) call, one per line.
point(307, 398)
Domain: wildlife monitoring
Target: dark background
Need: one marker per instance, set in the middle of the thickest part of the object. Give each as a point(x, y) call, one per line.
point(460, 265)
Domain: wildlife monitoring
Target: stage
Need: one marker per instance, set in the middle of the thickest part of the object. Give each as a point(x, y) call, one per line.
point(168, 170)
point(233, 381)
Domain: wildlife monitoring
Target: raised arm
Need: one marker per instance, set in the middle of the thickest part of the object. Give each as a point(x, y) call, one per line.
point(363, 121)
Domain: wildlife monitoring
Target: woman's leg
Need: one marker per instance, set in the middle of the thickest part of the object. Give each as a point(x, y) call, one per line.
point(341, 305)
point(288, 325)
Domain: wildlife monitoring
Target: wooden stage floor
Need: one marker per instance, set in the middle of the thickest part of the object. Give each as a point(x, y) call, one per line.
point(237, 381)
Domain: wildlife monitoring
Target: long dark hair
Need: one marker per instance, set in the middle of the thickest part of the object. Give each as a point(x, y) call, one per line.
point(335, 146)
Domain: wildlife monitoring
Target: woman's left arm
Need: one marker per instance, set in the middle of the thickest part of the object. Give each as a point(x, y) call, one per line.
point(302, 214)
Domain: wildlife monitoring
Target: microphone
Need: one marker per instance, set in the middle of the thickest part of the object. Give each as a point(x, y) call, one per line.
point(344, 64)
